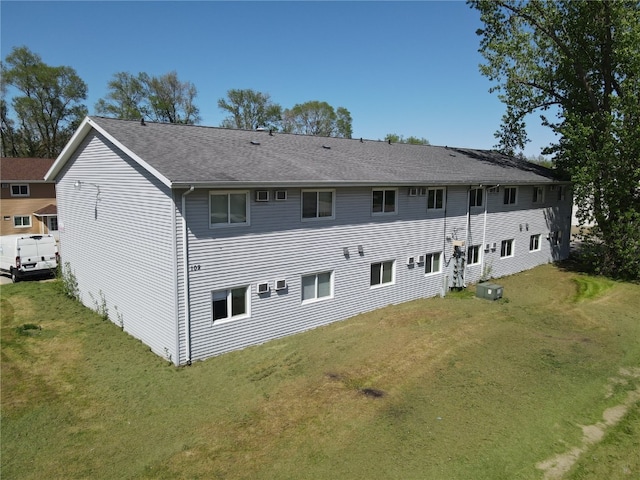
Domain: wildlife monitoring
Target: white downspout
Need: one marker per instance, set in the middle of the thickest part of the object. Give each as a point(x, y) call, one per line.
point(185, 259)
point(484, 232)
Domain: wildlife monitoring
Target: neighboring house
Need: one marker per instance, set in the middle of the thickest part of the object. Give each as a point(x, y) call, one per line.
point(203, 240)
point(28, 201)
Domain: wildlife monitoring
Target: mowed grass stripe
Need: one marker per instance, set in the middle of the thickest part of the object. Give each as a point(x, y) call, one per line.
point(454, 387)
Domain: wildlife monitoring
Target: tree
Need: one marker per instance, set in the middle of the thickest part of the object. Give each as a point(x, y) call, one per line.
point(582, 60)
point(48, 110)
point(126, 98)
point(171, 100)
point(395, 138)
point(250, 110)
point(161, 99)
point(317, 118)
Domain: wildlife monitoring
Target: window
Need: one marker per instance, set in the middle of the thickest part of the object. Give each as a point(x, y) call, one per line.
point(538, 194)
point(317, 204)
point(506, 249)
point(435, 198)
point(228, 304)
point(384, 201)
point(534, 243)
point(473, 255)
point(228, 208)
point(382, 273)
point(510, 195)
point(317, 286)
point(432, 263)
point(475, 197)
point(561, 193)
point(22, 221)
point(20, 190)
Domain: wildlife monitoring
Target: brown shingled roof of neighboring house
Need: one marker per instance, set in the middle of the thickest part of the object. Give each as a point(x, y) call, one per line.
point(50, 209)
point(24, 169)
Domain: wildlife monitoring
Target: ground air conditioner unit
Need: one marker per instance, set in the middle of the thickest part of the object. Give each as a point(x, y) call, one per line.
point(413, 192)
point(281, 284)
point(263, 288)
point(262, 195)
point(490, 291)
point(281, 195)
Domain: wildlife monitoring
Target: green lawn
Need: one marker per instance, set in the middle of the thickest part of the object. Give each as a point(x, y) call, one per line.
point(441, 388)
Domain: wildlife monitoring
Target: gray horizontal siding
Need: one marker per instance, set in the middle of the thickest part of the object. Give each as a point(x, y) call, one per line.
point(120, 247)
point(279, 245)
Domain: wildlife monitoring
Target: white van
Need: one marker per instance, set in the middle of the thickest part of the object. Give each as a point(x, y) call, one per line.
point(28, 255)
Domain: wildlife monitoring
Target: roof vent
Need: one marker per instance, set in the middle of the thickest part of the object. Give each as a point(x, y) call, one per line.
point(254, 143)
point(328, 147)
point(142, 122)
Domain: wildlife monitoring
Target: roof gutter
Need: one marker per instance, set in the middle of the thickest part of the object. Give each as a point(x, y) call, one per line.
point(185, 258)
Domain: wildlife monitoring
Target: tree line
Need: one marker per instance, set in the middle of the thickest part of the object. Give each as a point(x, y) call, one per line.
point(49, 106)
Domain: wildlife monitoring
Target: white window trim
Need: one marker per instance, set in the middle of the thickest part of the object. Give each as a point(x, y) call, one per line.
point(228, 224)
point(316, 298)
point(247, 304)
point(540, 195)
point(395, 206)
point(513, 248)
point(428, 260)
point(393, 274)
point(23, 217)
point(444, 198)
point(482, 199)
point(317, 218)
point(539, 245)
point(515, 202)
point(479, 256)
point(28, 194)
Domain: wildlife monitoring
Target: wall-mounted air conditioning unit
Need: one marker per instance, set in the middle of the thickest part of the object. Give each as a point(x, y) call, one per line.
point(487, 247)
point(280, 195)
point(263, 288)
point(413, 192)
point(281, 284)
point(411, 260)
point(494, 246)
point(421, 259)
point(262, 195)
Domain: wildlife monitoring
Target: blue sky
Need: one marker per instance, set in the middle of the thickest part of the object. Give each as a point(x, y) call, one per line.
point(409, 68)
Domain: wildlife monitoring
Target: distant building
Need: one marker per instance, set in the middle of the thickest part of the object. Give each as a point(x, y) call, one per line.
point(28, 201)
point(204, 240)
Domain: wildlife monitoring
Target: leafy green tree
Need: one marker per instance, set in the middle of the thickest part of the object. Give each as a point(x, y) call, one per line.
point(250, 110)
point(395, 138)
point(317, 118)
point(126, 99)
point(161, 99)
point(581, 61)
point(47, 109)
point(170, 99)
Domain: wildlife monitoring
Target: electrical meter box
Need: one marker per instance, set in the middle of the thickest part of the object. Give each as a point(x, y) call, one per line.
point(490, 291)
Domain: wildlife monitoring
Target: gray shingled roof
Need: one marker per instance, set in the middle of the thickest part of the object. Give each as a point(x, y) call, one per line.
point(188, 154)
